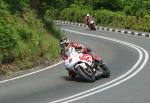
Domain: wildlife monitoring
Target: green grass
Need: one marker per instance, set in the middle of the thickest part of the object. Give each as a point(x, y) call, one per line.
point(26, 41)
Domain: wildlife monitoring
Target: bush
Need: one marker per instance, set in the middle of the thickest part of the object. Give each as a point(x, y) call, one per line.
point(74, 13)
point(25, 41)
point(51, 27)
point(103, 17)
point(52, 13)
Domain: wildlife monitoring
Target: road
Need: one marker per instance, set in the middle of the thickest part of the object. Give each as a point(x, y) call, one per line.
point(125, 55)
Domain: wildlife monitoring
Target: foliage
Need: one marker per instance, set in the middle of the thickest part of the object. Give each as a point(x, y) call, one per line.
point(74, 13)
point(51, 27)
point(137, 8)
point(28, 36)
point(108, 18)
point(17, 5)
point(114, 5)
point(129, 14)
point(24, 40)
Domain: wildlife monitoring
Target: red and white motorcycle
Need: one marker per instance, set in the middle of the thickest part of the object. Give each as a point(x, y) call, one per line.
point(82, 65)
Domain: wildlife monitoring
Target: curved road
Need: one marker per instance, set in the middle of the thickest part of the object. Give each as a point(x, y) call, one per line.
point(128, 83)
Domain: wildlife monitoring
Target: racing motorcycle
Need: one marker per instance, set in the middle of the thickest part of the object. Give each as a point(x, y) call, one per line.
point(82, 64)
point(91, 24)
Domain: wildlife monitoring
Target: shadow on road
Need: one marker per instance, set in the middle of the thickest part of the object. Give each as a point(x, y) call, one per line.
point(76, 79)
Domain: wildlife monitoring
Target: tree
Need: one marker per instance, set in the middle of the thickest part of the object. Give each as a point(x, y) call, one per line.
point(18, 5)
point(137, 8)
point(113, 5)
point(147, 5)
point(35, 3)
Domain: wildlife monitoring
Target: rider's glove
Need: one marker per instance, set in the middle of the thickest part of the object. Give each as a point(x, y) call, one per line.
point(87, 50)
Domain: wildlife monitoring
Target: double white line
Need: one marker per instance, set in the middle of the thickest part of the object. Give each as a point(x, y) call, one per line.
point(136, 68)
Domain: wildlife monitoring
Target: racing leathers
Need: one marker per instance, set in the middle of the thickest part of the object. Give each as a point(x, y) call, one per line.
point(87, 19)
point(96, 61)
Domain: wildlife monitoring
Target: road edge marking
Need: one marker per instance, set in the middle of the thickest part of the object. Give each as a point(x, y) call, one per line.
point(92, 91)
point(3, 81)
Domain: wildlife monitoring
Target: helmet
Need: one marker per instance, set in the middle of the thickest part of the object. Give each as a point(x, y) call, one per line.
point(87, 14)
point(64, 43)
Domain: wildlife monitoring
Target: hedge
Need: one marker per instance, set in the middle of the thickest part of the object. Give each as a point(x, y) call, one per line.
point(107, 18)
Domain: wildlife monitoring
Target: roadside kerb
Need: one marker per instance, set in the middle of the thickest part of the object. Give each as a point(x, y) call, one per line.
point(136, 33)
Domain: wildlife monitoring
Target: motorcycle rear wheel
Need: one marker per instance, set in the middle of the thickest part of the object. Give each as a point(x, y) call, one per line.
point(106, 72)
point(92, 27)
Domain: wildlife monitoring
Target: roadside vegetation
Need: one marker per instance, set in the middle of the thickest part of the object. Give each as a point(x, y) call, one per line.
point(27, 39)
point(28, 36)
point(127, 14)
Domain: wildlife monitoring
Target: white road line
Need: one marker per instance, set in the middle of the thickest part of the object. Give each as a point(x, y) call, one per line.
point(114, 82)
point(31, 73)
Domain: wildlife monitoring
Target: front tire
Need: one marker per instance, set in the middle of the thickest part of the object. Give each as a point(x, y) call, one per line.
point(86, 73)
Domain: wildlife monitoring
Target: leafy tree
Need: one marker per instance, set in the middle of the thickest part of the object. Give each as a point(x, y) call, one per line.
point(137, 8)
point(114, 5)
point(18, 5)
point(147, 5)
point(59, 4)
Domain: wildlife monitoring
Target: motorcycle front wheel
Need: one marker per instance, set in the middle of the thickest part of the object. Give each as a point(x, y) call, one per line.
point(86, 73)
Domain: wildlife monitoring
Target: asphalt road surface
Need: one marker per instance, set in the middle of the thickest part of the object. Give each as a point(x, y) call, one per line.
point(126, 56)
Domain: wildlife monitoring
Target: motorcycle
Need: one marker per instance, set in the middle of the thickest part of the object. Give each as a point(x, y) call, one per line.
point(82, 64)
point(91, 24)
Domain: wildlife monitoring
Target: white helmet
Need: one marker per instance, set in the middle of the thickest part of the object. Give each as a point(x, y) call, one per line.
point(88, 15)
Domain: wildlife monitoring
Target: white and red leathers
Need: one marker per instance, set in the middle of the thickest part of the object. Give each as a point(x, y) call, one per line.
point(75, 46)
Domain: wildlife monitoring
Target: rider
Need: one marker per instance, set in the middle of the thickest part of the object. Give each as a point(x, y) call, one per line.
point(66, 47)
point(87, 18)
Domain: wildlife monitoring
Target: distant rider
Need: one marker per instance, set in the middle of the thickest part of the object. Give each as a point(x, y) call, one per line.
point(87, 19)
